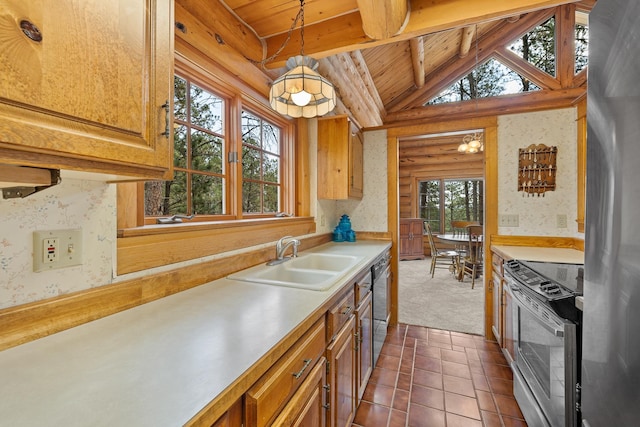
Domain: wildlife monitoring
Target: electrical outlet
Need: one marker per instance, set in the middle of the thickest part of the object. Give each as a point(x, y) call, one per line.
point(562, 220)
point(56, 249)
point(508, 220)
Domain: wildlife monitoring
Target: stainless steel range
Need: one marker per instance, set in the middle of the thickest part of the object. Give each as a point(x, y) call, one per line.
point(547, 328)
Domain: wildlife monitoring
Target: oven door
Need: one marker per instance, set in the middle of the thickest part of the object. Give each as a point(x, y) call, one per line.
point(545, 373)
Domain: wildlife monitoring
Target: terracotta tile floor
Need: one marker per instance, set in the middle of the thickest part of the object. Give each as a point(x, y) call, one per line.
point(434, 378)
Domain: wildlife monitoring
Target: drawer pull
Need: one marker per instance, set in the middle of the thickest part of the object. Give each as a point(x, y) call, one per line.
point(347, 310)
point(298, 374)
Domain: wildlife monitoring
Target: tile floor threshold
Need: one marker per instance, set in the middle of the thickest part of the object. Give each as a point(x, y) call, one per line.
point(434, 378)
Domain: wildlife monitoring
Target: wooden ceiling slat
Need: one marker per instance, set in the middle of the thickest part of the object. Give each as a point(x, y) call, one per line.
point(455, 69)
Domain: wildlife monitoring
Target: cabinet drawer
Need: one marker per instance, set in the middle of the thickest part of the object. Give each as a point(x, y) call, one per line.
point(497, 263)
point(339, 314)
point(268, 396)
point(363, 288)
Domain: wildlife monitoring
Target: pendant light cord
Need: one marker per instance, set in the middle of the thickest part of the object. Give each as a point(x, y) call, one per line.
point(299, 16)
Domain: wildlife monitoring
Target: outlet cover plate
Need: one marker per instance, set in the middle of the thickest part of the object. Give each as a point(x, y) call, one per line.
point(53, 249)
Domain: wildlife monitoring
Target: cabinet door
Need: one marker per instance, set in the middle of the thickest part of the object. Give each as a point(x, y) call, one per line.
point(231, 418)
point(339, 159)
point(364, 343)
point(307, 407)
point(87, 85)
point(356, 154)
point(342, 376)
point(417, 249)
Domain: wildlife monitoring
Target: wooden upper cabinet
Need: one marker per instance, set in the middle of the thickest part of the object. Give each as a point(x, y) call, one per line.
point(87, 85)
point(340, 159)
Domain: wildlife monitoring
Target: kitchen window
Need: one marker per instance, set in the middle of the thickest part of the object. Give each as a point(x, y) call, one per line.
point(221, 172)
point(444, 200)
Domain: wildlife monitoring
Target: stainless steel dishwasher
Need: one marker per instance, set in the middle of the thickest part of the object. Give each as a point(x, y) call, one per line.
point(380, 272)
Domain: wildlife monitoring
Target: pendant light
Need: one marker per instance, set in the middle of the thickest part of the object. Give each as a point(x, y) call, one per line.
point(473, 143)
point(301, 91)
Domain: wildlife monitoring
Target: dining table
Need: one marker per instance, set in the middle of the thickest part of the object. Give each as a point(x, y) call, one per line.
point(461, 242)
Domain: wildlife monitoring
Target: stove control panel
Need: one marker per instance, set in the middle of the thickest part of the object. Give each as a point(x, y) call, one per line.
point(536, 282)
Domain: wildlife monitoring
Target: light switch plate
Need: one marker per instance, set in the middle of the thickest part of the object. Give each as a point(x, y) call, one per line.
point(54, 249)
point(508, 220)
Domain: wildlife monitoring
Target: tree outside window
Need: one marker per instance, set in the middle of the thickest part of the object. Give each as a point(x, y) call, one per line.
point(199, 180)
point(443, 201)
point(261, 163)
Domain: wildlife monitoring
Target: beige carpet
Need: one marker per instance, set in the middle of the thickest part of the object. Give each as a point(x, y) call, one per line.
point(441, 302)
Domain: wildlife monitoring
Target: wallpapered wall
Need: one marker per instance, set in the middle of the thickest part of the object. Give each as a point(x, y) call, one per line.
point(538, 215)
point(91, 205)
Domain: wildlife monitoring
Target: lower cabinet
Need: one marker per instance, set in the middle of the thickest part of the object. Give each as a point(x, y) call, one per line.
point(320, 380)
point(410, 239)
point(341, 356)
point(278, 387)
point(307, 406)
point(231, 418)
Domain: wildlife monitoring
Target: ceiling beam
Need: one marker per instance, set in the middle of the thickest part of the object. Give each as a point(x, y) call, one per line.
point(466, 39)
point(382, 19)
point(456, 68)
point(351, 89)
point(526, 69)
point(499, 105)
point(344, 33)
point(417, 60)
point(363, 69)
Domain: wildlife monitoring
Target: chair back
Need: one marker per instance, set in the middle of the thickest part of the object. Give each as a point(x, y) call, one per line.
point(475, 243)
point(432, 244)
point(460, 227)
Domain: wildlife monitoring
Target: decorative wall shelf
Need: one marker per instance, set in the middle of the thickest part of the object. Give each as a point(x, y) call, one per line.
point(537, 169)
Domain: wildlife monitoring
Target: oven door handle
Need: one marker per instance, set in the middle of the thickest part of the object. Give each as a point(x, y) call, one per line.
point(517, 294)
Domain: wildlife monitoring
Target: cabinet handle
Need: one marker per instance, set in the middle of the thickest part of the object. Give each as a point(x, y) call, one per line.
point(298, 374)
point(347, 311)
point(357, 338)
point(166, 119)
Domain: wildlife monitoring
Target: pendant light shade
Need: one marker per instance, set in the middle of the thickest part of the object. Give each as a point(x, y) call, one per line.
point(301, 91)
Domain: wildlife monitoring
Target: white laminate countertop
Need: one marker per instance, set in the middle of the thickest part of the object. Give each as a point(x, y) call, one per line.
point(160, 363)
point(534, 253)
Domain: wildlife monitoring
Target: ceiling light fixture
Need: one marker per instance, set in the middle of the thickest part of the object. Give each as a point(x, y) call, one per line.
point(471, 144)
point(301, 91)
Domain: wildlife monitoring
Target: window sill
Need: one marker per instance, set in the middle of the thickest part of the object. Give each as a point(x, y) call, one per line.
point(186, 226)
point(152, 246)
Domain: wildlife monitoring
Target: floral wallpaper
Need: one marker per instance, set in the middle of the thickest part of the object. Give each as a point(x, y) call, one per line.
point(89, 205)
point(538, 216)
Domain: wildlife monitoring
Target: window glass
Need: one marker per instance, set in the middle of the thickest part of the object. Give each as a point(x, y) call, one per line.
point(261, 165)
point(446, 200)
point(199, 184)
point(538, 47)
point(582, 41)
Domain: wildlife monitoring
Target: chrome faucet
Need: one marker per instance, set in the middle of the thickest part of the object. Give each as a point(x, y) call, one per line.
point(281, 247)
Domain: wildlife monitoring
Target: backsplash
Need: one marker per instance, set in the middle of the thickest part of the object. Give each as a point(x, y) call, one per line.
point(538, 216)
point(89, 205)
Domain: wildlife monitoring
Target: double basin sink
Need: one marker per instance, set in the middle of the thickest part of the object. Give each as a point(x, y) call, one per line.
point(313, 271)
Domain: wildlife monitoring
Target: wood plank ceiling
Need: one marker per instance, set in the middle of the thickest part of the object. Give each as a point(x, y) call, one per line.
point(387, 58)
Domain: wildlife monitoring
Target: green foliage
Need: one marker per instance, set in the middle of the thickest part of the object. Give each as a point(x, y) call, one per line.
point(463, 201)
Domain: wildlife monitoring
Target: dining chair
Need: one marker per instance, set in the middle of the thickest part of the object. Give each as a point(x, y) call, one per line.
point(472, 262)
point(441, 256)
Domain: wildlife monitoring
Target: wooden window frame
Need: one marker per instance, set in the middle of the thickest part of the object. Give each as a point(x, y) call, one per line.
point(143, 246)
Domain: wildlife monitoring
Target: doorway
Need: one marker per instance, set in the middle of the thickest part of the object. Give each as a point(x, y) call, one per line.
point(403, 144)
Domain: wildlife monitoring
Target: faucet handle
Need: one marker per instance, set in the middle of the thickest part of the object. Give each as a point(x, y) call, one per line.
point(296, 243)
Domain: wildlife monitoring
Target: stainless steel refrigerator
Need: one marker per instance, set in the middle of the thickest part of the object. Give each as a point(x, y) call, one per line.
point(611, 333)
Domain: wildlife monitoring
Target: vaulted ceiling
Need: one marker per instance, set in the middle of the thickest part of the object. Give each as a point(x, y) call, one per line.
point(387, 58)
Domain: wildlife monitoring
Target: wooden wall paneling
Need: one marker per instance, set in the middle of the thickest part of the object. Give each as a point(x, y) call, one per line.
point(365, 74)
point(382, 63)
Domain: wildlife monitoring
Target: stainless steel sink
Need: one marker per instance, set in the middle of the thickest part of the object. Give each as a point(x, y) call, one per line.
point(313, 271)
